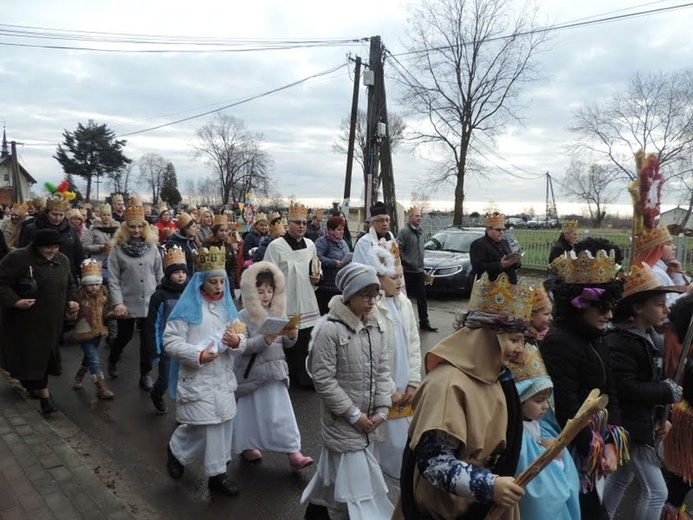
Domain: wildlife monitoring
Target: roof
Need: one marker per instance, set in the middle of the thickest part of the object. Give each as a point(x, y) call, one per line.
point(673, 210)
point(22, 170)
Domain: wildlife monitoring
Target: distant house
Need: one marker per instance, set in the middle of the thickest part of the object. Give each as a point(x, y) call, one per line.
point(8, 192)
point(673, 217)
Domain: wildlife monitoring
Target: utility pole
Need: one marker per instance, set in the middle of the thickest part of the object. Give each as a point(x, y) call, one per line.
point(16, 187)
point(352, 130)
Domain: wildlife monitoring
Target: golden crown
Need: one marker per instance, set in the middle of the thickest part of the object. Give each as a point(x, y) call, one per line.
point(394, 249)
point(174, 256)
point(57, 204)
point(274, 215)
point(649, 238)
point(557, 266)
point(502, 297)
point(20, 208)
point(569, 225)
point(135, 201)
point(183, 220)
point(116, 197)
point(541, 297)
point(211, 259)
point(495, 220)
point(319, 213)
point(530, 367)
point(277, 228)
point(641, 278)
point(105, 208)
point(91, 268)
point(298, 211)
point(259, 217)
point(220, 220)
point(587, 269)
point(134, 214)
point(414, 210)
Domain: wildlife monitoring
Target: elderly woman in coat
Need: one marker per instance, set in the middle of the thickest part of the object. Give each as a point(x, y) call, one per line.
point(36, 288)
point(134, 270)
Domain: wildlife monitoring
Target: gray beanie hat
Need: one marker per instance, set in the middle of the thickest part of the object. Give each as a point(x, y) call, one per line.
point(353, 277)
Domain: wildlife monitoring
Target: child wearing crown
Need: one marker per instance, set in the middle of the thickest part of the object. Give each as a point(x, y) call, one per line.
point(90, 326)
point(553, 493)
point(200, 337)
point(466, 432)
point(161, 304)
point(637, 356)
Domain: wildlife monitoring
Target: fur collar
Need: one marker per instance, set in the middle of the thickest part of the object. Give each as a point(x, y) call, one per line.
point(340, 311)
point(251, 299)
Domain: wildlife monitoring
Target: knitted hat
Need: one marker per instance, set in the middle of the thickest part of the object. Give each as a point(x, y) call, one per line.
point(354, 277)
point(379, 208)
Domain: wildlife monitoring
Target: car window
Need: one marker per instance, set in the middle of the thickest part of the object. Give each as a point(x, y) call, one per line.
point(446, 241)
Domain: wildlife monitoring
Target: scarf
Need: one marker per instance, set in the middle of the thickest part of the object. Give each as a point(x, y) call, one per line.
point(331, 237)
point(135, 248)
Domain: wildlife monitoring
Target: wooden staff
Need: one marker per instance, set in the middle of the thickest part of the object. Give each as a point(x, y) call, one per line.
point(593, 404)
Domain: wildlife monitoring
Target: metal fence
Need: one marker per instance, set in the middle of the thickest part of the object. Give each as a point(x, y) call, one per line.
point(536, 243)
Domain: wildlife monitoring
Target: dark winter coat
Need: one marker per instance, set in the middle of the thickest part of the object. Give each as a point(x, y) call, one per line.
point(411, 248)
point(161, 304)
point(187, 244)
point(578, 360)
point(328, 253)
point(71, 246)
point(486, 254)
point(313, 233)
point(559, 247)
point(3, 247)
point(29, 338)
point(637, 366)
point(250, 241)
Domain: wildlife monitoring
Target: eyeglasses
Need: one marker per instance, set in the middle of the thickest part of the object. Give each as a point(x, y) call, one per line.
point(370, 296)
point(381, 219)
point(604, 307)
point(299, 222)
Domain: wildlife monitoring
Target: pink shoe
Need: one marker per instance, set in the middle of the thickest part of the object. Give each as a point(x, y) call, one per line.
point(252, 455)
point(299, 461)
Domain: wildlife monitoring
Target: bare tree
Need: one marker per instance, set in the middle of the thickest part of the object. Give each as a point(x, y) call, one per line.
point(207, 191)
point(593, 185)
point(654, 114)
point(235, 156)
point(120, 179)
point(469, 59)
point(152, 171)
point(421, 199)
point(395, 131)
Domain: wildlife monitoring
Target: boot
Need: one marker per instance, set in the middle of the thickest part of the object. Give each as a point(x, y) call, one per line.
point(113, 369)
point(222, 485)
point(48, 405)
point(78, 383)
point(316, 512)
point(102, 391)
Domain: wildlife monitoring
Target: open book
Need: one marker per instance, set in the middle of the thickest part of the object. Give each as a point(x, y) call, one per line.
point(278, 326)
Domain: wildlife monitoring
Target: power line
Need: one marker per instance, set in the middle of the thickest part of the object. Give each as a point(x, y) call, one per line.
point(242, 101)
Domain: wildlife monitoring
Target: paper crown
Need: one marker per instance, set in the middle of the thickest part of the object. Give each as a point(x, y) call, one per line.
point(116, 197)
point(135, 201)
point(259, 217)
point(39, 202)
point(394, 249)
point(587, 269)
point(174, 256)
point(641, 278)
point(92, 272)
point(414, 210)
point(274, 215)
point(210, 259)
point(183, 220)
point(541, 297)
point(57, 204)
point(71, 213)
point(297, 211)
point(531, 366)
point(134, 214)
point(20, 208)
point(162, 208)
point(319, 213)
point(105, 208)
point(501, 297)
point(557, 265)
point(220, 220)
point(276, 228)
point(649, 238)
point(569, 225)
point(495, 220)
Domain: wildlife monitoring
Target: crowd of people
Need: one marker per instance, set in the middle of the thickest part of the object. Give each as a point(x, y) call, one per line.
point(454, 429)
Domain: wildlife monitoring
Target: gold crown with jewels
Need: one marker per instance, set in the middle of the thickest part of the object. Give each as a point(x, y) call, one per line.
point(502, 297)
point(57, 204)
point(641, 278)
point(649, 238)
point(587, 269)
point(298, 211)
point(211, 259)
point(530, 367)
point(569, 225)
point(541, 297)
point(92, 272)
point(174, 256)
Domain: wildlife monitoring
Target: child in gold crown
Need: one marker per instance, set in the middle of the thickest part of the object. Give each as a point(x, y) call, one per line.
point(200, 338)
point(90, 326)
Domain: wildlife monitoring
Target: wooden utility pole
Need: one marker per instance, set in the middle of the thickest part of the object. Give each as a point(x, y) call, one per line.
point(352, 130)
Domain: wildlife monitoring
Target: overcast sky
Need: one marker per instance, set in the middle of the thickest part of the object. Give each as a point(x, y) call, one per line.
point(45, 91)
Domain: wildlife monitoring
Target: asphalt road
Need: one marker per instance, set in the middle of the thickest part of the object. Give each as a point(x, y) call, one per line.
point(124, 442)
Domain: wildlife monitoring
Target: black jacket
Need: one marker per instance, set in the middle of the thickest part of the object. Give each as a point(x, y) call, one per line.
point(187, 244)
point(161, 304)
point(485, 255)
point(637, 365)
point(578, 360)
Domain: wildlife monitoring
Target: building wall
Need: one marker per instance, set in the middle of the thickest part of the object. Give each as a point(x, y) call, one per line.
point(5, 182)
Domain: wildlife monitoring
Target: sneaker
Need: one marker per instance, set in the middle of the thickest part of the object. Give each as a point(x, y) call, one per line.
point(173, 465)
point(146, 383)
point(222, 485)
point(159, 403)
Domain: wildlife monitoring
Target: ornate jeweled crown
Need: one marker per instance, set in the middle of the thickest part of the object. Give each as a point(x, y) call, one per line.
point(174, 256)
point(298, 211)
point(557, 266)
point(92, 271)
point(495, 220)
point(502, 297)
point(220, 220)
point(641, 278)
point(211, 259)
point(134, 214)
point(587, 269)
point(57, 204)
point(649, 238)
point(569, 225)
point(20, 208)
point(541, 297)
point(532, 366)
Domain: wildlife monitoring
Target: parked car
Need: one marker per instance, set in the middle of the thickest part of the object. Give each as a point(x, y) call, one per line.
point(517, 222)
point(543, 223)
